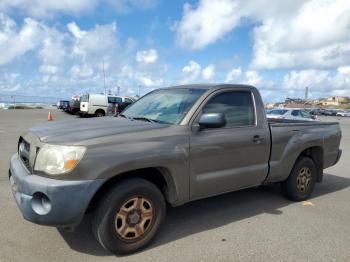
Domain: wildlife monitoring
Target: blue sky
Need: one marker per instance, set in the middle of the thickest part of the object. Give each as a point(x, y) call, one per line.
point(57, 48)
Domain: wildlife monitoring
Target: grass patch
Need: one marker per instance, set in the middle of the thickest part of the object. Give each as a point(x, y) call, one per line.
point(25, 107)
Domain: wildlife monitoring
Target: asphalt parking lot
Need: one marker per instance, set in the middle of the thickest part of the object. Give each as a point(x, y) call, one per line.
point(249, 225)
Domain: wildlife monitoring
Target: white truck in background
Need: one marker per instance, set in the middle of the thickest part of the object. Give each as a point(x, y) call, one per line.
point(99, 104)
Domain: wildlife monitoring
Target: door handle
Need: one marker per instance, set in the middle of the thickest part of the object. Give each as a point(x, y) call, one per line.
point(257, 139)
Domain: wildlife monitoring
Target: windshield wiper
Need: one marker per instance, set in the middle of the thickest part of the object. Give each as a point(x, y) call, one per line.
point(144, 119)
point(122, 115)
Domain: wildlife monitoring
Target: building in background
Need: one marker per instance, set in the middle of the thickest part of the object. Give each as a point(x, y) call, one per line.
point(335, 101)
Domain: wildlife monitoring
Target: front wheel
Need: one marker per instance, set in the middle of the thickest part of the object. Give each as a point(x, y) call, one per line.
point(129, 216)
point(301, 181)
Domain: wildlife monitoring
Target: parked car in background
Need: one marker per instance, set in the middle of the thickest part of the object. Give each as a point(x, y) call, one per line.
point(329, 112)
point(343, 113)
point(118, 105)
point(291, 114)
point(100, 105)
point(63, 105)
point(315, 111)
point(74, 105)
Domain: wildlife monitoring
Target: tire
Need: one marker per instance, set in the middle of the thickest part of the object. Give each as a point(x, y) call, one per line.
point(301, 181)
point(99, 113)
point(110, 221)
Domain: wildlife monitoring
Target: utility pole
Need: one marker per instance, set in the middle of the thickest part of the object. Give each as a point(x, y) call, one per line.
point(104, 76)
point(118, 88)
point(14, 101)
point(306, 93)
point(138, 91)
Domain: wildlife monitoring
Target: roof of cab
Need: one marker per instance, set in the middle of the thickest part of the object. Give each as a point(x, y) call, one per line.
point(210, 86)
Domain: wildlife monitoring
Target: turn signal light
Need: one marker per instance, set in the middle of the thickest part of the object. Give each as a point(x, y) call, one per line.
point(70, 164)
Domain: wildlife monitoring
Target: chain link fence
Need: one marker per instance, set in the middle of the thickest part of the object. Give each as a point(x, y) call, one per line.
point(7, 100)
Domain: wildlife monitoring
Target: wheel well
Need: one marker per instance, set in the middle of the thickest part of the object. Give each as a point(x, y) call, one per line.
point(152, 174)
point(316, 154)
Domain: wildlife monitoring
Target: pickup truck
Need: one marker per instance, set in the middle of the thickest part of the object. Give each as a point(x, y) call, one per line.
point(172, 146)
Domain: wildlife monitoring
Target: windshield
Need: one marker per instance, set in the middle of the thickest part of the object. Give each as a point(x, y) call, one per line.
point(84, 98)
point(166, 105)
point(278, 111)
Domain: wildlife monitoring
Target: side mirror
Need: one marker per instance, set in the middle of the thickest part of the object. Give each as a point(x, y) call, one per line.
point(212, 120)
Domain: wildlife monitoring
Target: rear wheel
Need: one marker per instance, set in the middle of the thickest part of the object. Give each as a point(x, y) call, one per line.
point(129, 216)
point(99, 113)
point(301, 181)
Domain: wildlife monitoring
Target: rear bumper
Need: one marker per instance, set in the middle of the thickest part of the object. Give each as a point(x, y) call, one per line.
point(338, 156)
point(48, 201)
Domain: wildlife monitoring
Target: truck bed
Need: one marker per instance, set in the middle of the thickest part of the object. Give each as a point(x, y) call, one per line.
point(290, 137)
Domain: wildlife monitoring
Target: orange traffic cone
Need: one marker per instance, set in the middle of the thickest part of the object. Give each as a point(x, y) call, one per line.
point(49, 117)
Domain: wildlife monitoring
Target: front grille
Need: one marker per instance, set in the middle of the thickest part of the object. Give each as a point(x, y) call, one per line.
point(24, 152)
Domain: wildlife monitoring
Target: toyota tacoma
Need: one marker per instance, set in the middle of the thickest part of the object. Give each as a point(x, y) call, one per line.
point(173, 146)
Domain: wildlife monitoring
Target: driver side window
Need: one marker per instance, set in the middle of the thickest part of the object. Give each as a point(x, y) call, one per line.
point(237, 107)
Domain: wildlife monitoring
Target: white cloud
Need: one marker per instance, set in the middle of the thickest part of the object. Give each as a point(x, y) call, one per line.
point(75, 30)
point(315, 35)
point(253, 78)
point(208, 73)
point(53, 49)
point(49, 8)
point(48, 69)
point(312, 34)
point(302, 78)
point(191, 72)
point(147, 56)
point(39, 8)
point(233, 75)
point(9, 82)
point(206, 23)
point(83, 71)
point(14, 41)
point(320, 82)
point(52, 52)
point(126, 6)
point(342, 78)
point(149, 81)
point(95, 43)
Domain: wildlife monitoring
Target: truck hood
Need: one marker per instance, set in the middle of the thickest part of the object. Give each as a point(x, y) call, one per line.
point(74, 131)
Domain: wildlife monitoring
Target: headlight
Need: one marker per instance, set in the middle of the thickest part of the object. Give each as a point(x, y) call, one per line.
point(54, 159)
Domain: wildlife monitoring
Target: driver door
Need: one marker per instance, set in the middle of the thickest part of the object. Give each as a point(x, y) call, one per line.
point(231, 157)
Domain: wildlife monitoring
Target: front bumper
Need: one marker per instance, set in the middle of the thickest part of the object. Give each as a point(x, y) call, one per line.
point(47, 201)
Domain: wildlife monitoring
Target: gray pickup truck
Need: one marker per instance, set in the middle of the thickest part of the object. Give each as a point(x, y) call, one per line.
point(173, 146)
